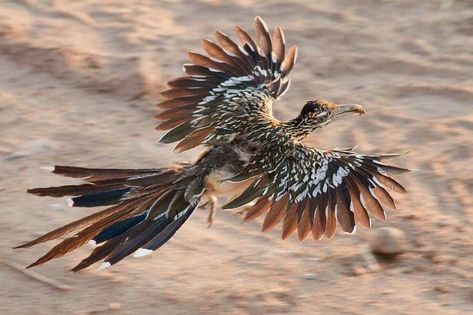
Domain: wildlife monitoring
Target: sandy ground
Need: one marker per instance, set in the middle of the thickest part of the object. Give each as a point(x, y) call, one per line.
point(78, 84)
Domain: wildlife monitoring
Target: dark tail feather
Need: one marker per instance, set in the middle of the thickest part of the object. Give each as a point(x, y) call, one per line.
point(149, 229)
point(104, 198)
point(145, 236)
point(168, 232)
point(73, 190)
point(95, 174)
point(135, 221)
point(85, 235)
point(119, 228)
point(162, 230)
point(104, 250)
point(100, 252)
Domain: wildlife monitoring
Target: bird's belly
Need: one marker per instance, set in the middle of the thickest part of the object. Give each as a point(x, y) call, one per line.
point(218, 186)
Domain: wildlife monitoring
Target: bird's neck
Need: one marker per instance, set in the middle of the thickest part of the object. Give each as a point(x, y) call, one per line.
point(298, 128)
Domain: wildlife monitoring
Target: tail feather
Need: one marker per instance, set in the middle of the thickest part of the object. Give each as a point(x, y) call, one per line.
point(118, 228)
point(154, 238)
point(105, 198)
point(148, 230)
point(95, 174)
point(168, 232)
point(104, 250)
point(149, 206)
point(73, 226)
point(73, 190)
point(101, 252)
point(87, 234)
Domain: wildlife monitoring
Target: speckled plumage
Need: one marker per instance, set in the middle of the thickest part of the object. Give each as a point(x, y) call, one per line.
point(225, 103)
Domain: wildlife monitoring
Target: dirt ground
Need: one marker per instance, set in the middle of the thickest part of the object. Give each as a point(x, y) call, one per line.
point(78, 84)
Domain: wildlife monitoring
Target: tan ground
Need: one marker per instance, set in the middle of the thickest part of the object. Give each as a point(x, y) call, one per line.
point(78, 83)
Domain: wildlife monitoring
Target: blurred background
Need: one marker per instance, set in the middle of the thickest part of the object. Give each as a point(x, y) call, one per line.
point(79, 81)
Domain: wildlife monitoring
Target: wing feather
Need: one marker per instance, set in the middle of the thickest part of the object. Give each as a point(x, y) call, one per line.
point(305, 223)
point(290, 221)
point(312, 190)
point(320, 220)
point(276, 213)
point(219, 87)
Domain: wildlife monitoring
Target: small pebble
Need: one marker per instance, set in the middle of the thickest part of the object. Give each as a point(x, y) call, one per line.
point(359, 271)
point(114, 306)
point(310, 276)
point(441, 289)
point(387, 241)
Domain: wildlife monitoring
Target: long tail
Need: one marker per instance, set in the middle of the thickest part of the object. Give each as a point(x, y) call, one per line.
point(148, 207)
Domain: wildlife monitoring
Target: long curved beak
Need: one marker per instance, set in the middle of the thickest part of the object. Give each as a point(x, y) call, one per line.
point(349, 108)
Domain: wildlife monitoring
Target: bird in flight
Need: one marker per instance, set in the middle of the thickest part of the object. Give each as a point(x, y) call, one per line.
point(224, 103)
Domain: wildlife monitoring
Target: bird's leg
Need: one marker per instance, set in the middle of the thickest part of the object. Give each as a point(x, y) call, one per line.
point(213, 204)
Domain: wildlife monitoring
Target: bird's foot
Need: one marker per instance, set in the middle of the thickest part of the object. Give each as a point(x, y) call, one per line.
point(241, 212)
point(212, 204)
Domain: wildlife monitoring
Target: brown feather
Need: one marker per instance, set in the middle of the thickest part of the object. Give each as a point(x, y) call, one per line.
point(199, 71)
point(100, 252)
point(73, 190)
point(320, 219)
point(193, 82)
point(217, 52)
point(276, 213)
point(383, 196)
point(290, 221)
point(246, 38)
point(176, 93)
point(305, 223)
point(264, 40)
point(76, 225)
point(171, 123)
point(391, 169)
point(194, 139)
point(228, 44)
point(331, 220)
point(390, 183)
point(260, 207)
point(102, 173)
point(180, 102)
point(372, 204)
point(205, 61)
point(279, 44)
point(162, 178)
point(289, 61)
point(174, 113)
point(343, 213)
point(76, 241)
point(361, 214)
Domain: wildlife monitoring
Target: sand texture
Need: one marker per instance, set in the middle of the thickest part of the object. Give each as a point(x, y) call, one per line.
point(78, 85)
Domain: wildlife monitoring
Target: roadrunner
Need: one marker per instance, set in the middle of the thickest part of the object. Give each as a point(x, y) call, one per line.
point(224, 102)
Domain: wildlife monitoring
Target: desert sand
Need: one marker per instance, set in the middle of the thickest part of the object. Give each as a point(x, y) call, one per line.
point(79, 81)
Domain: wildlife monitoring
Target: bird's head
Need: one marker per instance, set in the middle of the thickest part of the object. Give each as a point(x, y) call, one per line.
point(318, 113)
point(321, 112)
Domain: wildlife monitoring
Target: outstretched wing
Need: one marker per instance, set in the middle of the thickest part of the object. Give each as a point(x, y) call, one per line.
point(223, 92)
point(310, 190)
